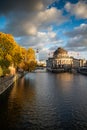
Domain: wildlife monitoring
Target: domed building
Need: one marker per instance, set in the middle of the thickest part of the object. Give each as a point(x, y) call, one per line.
point(60, 52)
point(60, 59)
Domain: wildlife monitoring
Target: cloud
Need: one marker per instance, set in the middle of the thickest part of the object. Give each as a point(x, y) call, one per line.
point(30, 23)
point(39, 40)
point(51, 15)
point(77, 42)
point(7, 6)
point(79, 9)
point(42, 41)
point(80, 31)
point(78, 38)
point(43, 54)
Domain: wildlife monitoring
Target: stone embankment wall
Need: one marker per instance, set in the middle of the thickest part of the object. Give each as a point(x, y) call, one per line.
point(6, 82)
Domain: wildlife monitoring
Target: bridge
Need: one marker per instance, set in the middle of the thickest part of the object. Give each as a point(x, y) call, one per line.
point(40, 70)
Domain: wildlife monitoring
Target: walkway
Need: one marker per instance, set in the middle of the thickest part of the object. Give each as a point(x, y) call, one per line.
point(7, 81)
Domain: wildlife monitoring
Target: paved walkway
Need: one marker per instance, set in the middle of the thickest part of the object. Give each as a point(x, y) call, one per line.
point(7, 81)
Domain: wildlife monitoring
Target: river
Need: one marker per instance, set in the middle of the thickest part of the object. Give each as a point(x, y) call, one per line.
point(46, 101)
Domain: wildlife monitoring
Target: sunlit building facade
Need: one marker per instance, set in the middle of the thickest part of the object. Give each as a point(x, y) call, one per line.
point(60, 59)
point(78, 63)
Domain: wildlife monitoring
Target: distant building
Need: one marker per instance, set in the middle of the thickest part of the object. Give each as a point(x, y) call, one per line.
point(60, 59)
point(86, 63)
point(50, 63)
point(42, 63)
point(78, 63)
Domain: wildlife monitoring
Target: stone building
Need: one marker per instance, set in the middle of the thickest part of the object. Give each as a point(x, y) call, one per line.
point(78, 63)
point(60, 59)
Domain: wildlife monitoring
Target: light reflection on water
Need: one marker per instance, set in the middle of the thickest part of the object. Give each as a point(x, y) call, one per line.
point(46, 101)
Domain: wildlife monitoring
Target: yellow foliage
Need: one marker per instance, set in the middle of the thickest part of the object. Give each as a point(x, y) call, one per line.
point(11, 52)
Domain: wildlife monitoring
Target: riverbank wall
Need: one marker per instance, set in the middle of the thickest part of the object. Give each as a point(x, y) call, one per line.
point(7, 81)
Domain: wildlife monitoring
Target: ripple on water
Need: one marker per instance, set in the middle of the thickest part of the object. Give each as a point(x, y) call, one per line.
point(46, 101)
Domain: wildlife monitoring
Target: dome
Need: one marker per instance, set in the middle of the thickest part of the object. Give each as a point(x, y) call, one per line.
point(60, 51)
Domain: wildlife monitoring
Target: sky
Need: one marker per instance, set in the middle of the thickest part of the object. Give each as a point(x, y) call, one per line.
point(46, 25)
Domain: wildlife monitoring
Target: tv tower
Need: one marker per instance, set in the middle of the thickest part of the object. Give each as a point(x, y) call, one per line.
point(37, 55)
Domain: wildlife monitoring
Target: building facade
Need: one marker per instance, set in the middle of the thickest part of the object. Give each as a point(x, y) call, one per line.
point(60, 59)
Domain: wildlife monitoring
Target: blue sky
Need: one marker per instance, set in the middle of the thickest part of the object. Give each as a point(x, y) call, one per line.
point(47, 24)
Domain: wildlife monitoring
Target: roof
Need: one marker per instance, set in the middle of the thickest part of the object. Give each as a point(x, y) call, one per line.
point(60, 51)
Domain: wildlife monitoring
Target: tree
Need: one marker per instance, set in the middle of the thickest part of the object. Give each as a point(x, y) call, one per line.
point(31, 65)
point(9, 51)
point(30, 55)
point(31, 59)
point(6, 44)
point(16, 55)
point(1, 71)
point(13, 54)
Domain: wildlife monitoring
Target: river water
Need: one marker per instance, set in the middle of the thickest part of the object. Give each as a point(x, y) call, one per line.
point(46, 101)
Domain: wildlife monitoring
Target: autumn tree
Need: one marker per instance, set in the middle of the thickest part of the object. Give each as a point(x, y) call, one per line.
point(31, 59)
point(29, 62)
point(16, 55)
point(12, 53)
point(23, 64)
point(9, 51)
point(6, 48)
point(1, 71)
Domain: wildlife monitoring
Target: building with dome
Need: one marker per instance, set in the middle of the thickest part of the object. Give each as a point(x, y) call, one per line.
point(60, 60)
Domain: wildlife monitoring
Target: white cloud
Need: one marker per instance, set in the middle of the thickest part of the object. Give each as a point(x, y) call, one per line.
point(39, 40)
point(47, 36)
point(79, 9)
point(42, 20)
point(80, 31)
point(30, 29)
point(51, 15)
point(78, 38)
point(52, 34)
point(31, 23)
point(42, 41)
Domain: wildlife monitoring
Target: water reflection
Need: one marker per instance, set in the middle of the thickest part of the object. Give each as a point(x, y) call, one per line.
point(46, 101)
